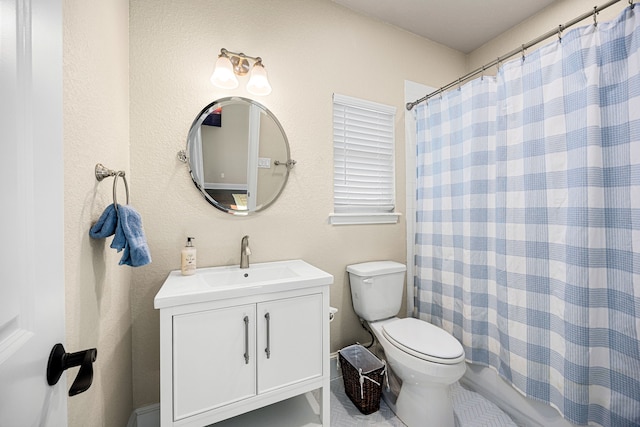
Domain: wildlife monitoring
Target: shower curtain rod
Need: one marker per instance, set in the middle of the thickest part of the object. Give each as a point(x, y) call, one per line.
point(514, 52)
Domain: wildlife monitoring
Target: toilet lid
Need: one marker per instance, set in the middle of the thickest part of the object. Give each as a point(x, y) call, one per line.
point(424, 340)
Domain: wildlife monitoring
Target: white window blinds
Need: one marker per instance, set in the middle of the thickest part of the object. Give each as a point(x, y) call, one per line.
point(363, 156)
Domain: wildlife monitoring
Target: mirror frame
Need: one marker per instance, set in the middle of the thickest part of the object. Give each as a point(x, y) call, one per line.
point(287, 164)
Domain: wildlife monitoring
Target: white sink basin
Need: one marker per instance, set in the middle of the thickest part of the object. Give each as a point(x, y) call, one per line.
point(233, 276)
point(216, 283)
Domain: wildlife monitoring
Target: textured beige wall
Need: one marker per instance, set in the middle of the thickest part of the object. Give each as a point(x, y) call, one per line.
point(558, 13)
point(311, 49)
point(96, 129)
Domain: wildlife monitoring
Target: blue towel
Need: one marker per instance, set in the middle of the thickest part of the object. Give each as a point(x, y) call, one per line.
point(126, 224)
point(106, 225)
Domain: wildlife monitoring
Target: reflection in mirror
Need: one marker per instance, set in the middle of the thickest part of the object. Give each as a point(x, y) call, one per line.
point(238, 155)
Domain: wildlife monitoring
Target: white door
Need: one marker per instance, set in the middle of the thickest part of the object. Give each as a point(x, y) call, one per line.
point(31, 214)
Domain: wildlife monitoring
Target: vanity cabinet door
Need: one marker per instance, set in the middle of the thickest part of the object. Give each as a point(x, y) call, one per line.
point(214, 359)
point(289, 341)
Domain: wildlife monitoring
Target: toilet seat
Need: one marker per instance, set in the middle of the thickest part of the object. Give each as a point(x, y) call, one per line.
point(424, 340)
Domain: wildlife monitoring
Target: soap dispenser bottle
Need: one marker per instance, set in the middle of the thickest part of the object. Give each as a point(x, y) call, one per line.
point(188, 258)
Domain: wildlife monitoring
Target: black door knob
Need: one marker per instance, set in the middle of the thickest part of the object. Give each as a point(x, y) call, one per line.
point(60, 361)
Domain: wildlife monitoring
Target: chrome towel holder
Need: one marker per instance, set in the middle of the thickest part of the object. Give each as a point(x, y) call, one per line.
point(102, 172)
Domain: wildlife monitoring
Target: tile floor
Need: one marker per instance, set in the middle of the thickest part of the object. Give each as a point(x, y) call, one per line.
point(471, 410)
point(302, 411)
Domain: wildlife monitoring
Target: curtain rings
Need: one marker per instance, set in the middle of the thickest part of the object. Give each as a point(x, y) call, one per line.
point(522, 53)
point(560, 28)
point(595, 15)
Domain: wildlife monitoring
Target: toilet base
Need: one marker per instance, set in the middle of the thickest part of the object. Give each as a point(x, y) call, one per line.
point(424, 398)
point(422, 405)
point(390, 394)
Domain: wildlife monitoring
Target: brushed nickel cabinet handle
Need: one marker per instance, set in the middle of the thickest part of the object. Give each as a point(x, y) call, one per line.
point(268, 349)
point(246, 340)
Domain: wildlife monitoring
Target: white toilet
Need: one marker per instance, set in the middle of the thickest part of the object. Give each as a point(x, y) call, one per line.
point(426, 358)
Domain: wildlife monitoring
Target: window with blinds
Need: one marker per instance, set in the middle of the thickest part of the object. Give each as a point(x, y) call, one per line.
point(363, 161)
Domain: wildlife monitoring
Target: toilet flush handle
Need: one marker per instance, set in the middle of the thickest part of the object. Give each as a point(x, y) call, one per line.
point(368, 281)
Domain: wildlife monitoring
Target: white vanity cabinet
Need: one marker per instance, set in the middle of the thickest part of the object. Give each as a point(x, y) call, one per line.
point(232, 351)
point(289, 341)
point(214, 360)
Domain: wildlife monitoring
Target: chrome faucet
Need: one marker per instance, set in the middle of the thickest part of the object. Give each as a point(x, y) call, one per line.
point(245, 251)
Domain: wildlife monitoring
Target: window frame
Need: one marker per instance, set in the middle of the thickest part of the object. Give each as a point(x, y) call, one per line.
point(343, 215)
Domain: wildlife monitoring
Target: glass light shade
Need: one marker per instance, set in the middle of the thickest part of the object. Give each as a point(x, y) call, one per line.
point(258, 81)
point(223, 75)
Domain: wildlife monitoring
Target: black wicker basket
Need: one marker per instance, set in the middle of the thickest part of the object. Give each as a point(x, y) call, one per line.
point(363, 376)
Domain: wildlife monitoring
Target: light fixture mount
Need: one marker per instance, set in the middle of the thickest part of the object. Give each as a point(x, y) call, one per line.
point(240, 64)
point(240, 61)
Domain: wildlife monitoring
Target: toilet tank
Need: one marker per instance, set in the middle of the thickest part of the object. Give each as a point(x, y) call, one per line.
point(376, 288)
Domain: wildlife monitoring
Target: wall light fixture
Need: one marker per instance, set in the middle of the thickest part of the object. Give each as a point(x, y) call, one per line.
point(230, 64)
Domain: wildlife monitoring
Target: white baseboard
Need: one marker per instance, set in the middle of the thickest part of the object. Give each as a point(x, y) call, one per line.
point(147, 416)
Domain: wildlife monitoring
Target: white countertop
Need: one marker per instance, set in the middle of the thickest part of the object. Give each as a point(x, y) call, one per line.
point(216, 283)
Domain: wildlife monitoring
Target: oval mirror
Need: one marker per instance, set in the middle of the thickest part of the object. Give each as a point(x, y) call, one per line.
point(238, 155)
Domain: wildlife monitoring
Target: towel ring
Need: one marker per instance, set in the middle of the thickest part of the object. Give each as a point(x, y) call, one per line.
point(103, 172)
point(115, 188)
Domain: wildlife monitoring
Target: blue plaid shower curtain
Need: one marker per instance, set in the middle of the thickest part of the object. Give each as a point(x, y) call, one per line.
point(528, 221)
